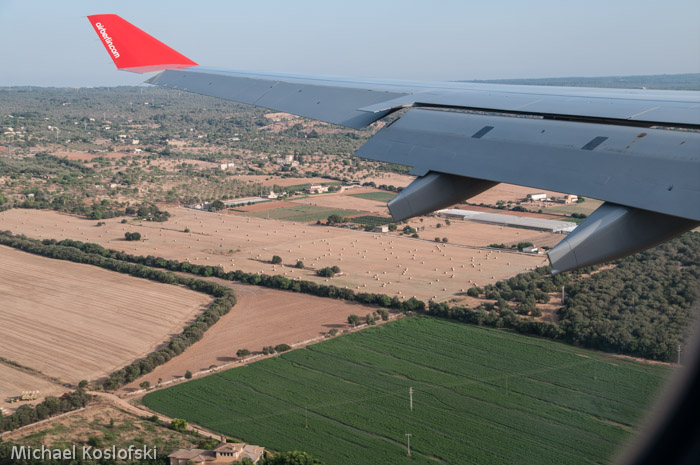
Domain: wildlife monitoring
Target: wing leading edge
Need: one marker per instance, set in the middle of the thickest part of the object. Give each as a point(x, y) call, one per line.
point(637, 150)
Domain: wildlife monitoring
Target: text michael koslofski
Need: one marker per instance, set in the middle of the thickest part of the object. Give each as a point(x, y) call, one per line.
point(84, 452)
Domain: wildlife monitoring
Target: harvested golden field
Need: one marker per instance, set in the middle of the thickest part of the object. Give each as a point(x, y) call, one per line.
point(71, 321)
point(261, 317)
point(389, 264)
point(14, 380)
point(508, 192)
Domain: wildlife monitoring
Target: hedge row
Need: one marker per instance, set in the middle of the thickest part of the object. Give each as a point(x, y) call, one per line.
point(257, 279)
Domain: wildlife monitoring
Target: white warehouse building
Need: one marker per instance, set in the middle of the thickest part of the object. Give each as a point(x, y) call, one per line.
point(512, 221)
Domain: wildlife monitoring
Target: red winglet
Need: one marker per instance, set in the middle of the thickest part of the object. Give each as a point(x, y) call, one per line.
point(132, 49)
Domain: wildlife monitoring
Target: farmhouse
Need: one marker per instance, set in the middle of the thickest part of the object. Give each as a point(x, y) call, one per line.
point(316, 189)
point(224, 454)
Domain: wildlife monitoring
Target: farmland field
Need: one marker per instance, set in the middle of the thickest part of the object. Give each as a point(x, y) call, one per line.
point(302, 213)
point(372, 220)
point(71, 321)
point(370, 262)
point(479, 395)
point(383, 196)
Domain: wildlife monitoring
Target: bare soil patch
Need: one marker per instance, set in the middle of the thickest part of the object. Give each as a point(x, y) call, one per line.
point(71, 321)
point(261, 317)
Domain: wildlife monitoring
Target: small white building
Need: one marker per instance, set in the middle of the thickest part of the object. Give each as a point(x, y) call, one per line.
point(225, 166)
point(381, 228)
point(532, 249)
point(272, 195)
point(537, 197)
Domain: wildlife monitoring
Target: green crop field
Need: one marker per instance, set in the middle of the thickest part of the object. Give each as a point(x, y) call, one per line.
point(479, 395)
point(587, 207)
point(371, 220)
point(302, 213)
point(382, 196)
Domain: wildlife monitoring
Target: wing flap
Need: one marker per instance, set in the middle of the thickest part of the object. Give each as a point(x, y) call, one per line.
point(650, 169)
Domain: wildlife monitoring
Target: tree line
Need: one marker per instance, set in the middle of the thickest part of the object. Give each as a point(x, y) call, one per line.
point(640, 307)
point(49, 407)
point(256, 279)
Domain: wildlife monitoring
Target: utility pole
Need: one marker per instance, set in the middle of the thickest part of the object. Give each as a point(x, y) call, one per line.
point(408, 445)
point(410, 394)
point(679, 353)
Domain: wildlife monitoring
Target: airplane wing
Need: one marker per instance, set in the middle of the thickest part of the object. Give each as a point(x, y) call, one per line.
point(637, 150)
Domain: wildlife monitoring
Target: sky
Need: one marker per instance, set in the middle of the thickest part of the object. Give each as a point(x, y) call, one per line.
point(51, 43)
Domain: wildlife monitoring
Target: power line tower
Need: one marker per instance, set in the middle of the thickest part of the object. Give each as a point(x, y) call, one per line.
point(408, 443)
point(410, 394)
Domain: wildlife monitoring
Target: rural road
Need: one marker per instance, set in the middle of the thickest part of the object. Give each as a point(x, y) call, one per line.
point(143, 412)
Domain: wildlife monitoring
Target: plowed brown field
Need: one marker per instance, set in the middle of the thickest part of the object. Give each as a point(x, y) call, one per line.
point(71, 321)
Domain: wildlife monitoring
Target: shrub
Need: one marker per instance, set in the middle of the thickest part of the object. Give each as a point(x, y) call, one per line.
point(267, 350)
point(129, 236)
point(282, 347)
point(242, 353)
point(276, 260)
point(299, 265)
point(188, 374)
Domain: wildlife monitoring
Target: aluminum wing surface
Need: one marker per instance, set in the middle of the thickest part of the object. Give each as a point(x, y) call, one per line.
point(638, 150)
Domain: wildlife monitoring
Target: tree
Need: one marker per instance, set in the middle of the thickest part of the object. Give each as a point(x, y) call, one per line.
point(299, 265)
point(217, 205)
point(242, 353)
point(335, 219)
point(282, 347)
point(326, 272)
point(354, 320)
point(335, 269)
point(444, 240)
point(268, 350)
point(333, 332)
point(522, 245)
point(145, 385)
point(129, 236)
point(188, 374)
point(83, 384)
point(392, 227)
point(276, 260)
point(178, 424)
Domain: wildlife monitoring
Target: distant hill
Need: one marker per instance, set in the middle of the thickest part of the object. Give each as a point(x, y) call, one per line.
point(659, 81)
